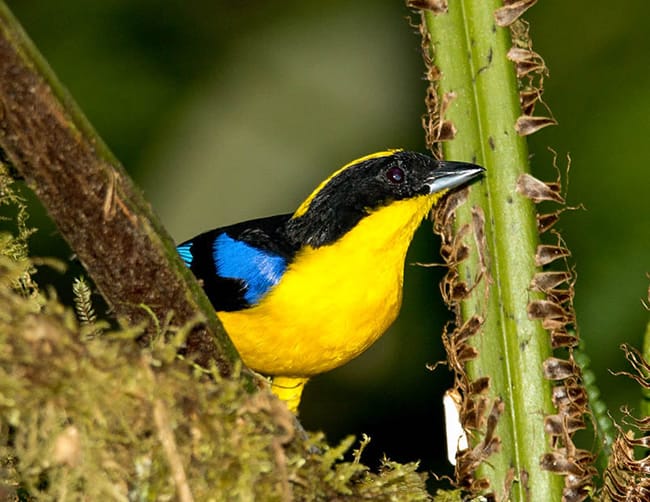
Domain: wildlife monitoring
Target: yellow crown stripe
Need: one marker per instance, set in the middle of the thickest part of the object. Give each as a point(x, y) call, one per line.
point(302, 209)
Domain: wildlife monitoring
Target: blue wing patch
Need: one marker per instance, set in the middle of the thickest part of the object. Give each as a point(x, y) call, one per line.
point(186, 254)
point(259, 270)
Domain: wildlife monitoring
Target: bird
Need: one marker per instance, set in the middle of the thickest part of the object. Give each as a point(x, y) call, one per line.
point(303, 293)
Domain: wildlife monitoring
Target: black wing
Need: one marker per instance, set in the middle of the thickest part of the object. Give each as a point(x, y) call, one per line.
point(238, 264)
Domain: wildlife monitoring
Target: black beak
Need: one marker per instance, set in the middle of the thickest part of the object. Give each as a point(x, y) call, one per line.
point(450, 175)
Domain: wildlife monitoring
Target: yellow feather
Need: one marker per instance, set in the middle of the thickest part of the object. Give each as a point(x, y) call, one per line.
point(334, 301)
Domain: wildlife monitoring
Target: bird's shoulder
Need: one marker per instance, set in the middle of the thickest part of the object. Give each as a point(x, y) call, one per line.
point(238, 264)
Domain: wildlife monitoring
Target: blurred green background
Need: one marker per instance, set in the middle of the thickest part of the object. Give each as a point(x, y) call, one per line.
point(224, 111)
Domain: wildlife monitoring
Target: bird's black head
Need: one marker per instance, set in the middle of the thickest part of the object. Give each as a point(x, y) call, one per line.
point(367, 184)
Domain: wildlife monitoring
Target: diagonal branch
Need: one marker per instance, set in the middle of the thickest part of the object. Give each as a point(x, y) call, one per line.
point(93, 202)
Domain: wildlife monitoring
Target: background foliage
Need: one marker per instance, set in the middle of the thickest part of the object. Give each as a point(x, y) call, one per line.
point(224, 111)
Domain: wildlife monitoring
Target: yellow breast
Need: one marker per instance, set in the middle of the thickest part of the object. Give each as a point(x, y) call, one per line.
point(334, 301)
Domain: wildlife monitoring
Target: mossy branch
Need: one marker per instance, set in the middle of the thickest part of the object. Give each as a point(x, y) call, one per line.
point(98, 210)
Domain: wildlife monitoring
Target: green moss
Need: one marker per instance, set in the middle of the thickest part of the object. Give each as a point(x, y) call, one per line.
point(103, 418)
point(108, 420)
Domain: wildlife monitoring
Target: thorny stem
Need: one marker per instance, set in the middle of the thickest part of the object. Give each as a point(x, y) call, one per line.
point(469, 50)
point(645, 401)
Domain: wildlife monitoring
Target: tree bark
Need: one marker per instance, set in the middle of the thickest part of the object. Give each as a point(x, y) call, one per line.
point(95, 205)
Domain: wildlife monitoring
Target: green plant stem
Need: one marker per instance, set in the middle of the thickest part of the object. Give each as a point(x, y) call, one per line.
point(470, 52)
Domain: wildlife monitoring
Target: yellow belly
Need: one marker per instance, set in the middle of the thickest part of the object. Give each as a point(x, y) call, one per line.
point(333, 302)
point(333, 319)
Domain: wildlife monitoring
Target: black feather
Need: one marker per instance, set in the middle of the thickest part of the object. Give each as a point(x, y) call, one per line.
point(228, 294)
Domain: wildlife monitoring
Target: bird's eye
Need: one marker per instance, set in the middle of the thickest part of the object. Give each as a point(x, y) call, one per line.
point(395, 175)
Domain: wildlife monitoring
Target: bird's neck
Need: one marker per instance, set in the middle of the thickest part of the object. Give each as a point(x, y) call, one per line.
point(382, 237)
point(390, 228)
point(394, 223)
